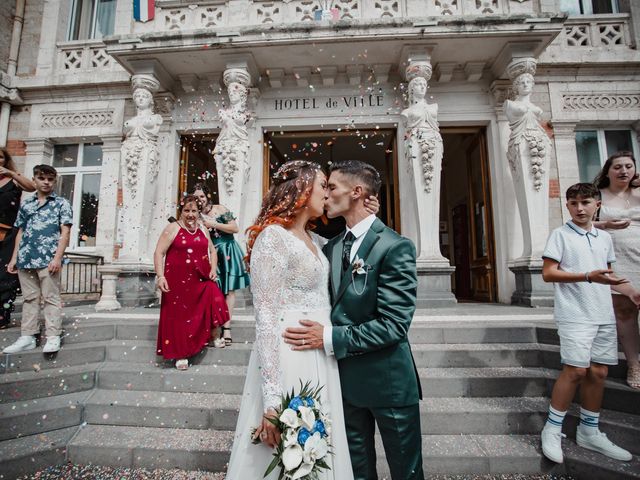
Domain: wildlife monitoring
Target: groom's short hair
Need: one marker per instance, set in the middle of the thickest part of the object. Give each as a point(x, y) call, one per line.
point(361, 171)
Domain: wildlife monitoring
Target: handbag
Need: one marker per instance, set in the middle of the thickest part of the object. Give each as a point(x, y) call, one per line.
point(4, 231)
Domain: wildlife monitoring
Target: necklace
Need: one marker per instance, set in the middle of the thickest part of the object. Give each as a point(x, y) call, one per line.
point(187, 229)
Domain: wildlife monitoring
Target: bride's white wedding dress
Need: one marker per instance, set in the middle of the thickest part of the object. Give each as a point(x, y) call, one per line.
point(289, 282)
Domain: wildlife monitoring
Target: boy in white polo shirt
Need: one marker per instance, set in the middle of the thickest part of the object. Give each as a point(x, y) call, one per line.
point(578, 260)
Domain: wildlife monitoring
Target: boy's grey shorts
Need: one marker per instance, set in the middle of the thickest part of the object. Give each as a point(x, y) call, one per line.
point(583, 343)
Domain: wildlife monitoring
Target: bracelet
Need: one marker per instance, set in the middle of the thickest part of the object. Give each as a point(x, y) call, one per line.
point(586, 277)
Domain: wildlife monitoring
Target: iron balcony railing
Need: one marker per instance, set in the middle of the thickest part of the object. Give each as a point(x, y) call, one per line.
point(80, 273)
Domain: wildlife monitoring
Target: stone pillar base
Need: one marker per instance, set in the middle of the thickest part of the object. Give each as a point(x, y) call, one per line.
point(531, 289)
point(136, 284)
point(109, 299)
point(434, 285)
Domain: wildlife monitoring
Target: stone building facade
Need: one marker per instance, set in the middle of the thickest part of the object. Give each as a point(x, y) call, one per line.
point(326, 80)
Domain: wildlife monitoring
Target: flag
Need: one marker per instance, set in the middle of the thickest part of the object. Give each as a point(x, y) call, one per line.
point(143, 10)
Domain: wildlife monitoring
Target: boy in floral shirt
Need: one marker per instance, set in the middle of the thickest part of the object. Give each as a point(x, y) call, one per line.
point(44, 222)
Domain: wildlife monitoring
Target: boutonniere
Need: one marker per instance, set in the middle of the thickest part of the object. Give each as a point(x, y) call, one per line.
point(358, 267)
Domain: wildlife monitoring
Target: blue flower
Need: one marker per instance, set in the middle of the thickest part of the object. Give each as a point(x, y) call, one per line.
point(308, 401)
point(296, 403)
point(303, 436)
point(319, 427)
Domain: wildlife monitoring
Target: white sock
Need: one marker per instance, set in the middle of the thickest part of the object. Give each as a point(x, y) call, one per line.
point(555, 419)
point(588, 421)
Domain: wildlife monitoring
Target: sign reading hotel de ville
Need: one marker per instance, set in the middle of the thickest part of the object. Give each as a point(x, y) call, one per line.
point(332, 102)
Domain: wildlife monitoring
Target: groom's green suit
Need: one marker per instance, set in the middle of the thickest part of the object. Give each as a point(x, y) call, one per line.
point(371, 316)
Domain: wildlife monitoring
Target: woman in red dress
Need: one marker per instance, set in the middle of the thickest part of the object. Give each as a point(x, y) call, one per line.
point(192, 304)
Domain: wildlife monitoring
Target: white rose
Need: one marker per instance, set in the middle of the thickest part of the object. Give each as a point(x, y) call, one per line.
point(315, 448)
point(290, 418)
point(308, 417)
point(292, 457)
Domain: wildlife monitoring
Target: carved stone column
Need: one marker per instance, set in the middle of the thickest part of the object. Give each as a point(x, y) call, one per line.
point(140, 163)
point(231, 152)
point(564, 138)
point(528, 155)
point(423, 151)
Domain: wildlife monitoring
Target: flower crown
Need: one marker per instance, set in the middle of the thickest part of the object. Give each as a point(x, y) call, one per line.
point(291, 170)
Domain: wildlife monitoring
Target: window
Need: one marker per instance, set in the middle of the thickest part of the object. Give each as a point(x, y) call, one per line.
point(595, 146)
point(79, 182)
point(589, 7)
point(92, 19)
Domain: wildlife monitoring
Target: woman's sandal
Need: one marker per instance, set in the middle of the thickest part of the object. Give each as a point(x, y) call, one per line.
point(227, 339)
point(182, 364)
point(633, 377)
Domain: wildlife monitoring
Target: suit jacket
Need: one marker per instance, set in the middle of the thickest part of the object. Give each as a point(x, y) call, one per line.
point(371, 316)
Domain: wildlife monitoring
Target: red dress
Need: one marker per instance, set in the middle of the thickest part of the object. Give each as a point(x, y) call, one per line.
point(194, 303)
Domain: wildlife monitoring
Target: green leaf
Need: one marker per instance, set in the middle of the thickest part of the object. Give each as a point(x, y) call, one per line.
point(274, 463)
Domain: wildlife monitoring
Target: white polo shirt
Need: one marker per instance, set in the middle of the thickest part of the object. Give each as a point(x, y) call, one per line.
point(581, 251)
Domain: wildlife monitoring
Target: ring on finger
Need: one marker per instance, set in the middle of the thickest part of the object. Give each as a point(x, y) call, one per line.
point(303, 341)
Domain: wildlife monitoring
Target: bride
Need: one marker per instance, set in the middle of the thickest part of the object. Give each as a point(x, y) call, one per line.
point(289, 275)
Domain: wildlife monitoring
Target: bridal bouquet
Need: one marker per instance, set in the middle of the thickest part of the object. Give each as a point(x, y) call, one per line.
point(306, 436)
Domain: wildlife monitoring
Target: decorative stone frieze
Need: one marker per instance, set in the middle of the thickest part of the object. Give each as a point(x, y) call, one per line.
point(94, 118)
point(573, 102)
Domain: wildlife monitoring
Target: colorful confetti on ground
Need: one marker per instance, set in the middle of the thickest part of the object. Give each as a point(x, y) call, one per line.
point(94, 472)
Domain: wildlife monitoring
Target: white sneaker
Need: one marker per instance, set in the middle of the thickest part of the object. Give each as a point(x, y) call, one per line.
point(53, 345)
point(24, 343)
point(599, 442)
point(552, 444)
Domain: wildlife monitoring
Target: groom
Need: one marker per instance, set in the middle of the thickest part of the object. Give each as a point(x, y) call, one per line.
point(373, 290)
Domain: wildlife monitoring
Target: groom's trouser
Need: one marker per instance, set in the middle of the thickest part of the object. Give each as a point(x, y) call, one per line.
point(400, 431)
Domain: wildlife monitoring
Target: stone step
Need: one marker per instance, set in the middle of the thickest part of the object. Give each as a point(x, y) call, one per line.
point(443, 454)
point(21, 386)
point(25, 455)
point(163, 409)
point(425, 355)
point(69, 355)
point(39, 415)
point(244, 331)
point(73, 332)
point(439, 416)
point(151, 447)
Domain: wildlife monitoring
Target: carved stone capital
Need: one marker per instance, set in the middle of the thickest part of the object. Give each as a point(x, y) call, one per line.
point(564, 130)
point(145, 81)
point(522, 65)
point(501, 90)
point(420, 69)
point(236, 75)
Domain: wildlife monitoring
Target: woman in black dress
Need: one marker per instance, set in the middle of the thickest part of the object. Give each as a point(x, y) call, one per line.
point(11, 186)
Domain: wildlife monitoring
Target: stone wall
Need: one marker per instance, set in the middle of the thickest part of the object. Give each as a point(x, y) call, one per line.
point(29, 43)
point(7, 11)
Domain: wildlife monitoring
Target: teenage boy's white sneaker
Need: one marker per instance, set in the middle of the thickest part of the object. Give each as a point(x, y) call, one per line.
point(599, 442)
point(52, 346)
point(25, 342)
point(552, 444)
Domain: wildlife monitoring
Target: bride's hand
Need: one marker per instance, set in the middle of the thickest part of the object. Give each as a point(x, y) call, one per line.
point(372, 205)
point(267, 432)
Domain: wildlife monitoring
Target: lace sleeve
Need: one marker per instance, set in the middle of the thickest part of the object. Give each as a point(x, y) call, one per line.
point(268, 265)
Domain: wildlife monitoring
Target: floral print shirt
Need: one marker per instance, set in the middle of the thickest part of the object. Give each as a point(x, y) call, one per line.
point(40, 226)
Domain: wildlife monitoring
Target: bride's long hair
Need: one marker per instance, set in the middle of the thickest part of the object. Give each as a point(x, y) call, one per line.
point(290, 191)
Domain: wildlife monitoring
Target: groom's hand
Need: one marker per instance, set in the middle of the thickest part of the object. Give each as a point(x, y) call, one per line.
point(307, 337)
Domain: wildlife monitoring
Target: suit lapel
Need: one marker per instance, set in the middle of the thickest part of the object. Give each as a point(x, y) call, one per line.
point(370, 239)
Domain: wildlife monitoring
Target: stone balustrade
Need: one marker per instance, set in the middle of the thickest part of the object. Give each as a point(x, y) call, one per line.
point(597, 31)
point(85, 56)
point(177, 15)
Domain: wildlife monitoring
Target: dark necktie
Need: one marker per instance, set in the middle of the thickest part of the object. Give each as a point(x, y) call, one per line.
point(349, 238)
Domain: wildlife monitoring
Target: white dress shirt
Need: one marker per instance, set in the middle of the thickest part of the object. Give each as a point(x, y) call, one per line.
point(359, 230)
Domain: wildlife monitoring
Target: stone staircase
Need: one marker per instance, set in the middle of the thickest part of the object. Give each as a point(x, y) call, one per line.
point(104, 399)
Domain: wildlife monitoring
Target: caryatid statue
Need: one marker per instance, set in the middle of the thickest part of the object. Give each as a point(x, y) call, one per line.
point(423, 152)
point(528, 154)
point(140, 169)
point(231, 152)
